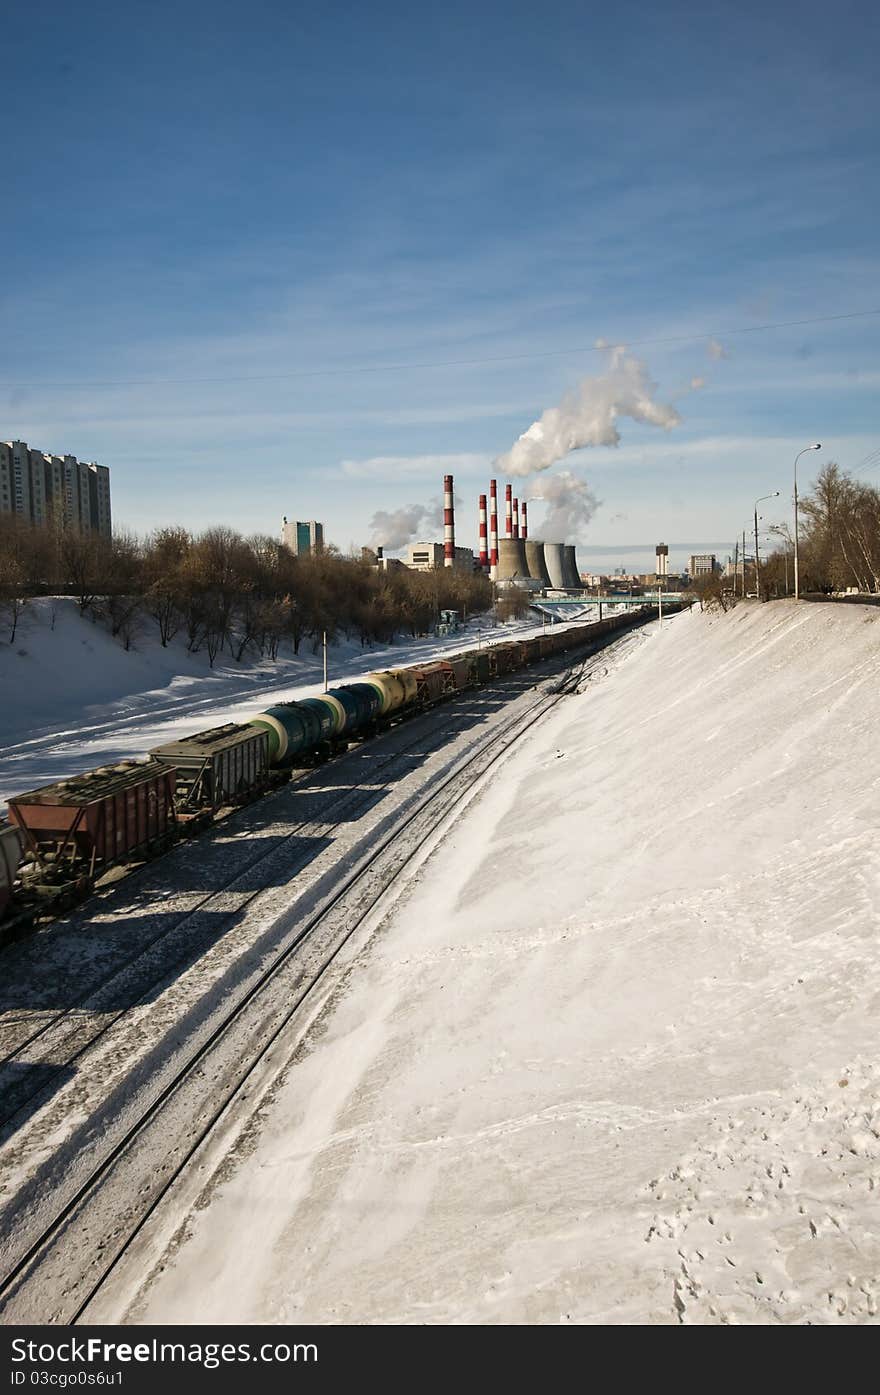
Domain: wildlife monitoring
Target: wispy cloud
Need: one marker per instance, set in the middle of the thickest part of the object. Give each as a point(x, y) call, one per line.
point(405, 467)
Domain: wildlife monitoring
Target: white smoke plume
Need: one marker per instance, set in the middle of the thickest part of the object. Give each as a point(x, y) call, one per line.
point(394, 530)
point(571, 504)
point(588, 416)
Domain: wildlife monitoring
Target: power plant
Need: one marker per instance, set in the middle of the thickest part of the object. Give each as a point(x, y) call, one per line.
point(518, 560)
point(512, 560)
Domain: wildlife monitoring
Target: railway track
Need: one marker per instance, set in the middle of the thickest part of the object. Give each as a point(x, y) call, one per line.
point(192, 930)
point(68, 1227)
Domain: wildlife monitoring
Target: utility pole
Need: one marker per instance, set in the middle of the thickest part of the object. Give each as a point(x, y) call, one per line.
point(735, 565)
point(797, 580)
point(744, 563)
point(324, 641)
point(775, 495)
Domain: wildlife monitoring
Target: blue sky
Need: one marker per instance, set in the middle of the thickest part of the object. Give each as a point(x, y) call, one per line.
point(285, 259)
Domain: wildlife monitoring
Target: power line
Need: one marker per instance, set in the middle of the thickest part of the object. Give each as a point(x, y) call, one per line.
point(870, 462)
point(441, 363)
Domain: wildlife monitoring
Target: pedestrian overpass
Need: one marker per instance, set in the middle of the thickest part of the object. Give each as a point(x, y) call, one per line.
point(567, 608)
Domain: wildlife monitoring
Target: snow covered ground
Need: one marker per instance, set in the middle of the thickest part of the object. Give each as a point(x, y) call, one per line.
point(71, 698)
point(612, 1055)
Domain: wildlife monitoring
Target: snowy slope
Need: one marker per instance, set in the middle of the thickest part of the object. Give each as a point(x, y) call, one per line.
point(72, 698)
point(612, 1058)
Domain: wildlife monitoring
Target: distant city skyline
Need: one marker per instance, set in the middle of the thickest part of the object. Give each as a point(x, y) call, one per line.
point(256, 295)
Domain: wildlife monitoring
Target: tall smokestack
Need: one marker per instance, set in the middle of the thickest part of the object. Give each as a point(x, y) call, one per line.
point(516, 518)
point(493, 528)
point(524, 523)
point(484, 547)
point(448, 523)
point(508, 510)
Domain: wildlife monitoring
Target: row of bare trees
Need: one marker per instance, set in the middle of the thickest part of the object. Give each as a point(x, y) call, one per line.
point(220, 591)
point(839, 539)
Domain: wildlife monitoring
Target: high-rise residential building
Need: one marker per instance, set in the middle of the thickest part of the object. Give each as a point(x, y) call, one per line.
point(702, 564)
point(57, 489)
point(303, 538)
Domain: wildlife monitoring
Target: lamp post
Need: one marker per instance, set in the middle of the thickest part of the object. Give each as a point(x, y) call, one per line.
point(797, 585)
point(757, 566)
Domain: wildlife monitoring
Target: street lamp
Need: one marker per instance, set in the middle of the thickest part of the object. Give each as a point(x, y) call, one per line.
point(797, 588)
point(757, 565)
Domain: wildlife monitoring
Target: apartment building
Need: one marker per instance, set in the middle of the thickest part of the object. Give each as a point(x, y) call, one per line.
point(56, 489)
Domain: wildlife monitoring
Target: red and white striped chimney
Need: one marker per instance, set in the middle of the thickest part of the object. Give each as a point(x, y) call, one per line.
point(484, 545)
point(516, 518)
point(508, 510)
point(448, 523)
point(493, 527)
point(524, 521)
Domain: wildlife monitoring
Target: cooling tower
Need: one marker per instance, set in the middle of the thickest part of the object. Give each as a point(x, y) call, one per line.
point(536, 564)
point(570, 568)
point(554, 561)
point(512, 564)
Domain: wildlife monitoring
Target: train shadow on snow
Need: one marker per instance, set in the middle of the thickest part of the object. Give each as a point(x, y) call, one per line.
point(23, 1087)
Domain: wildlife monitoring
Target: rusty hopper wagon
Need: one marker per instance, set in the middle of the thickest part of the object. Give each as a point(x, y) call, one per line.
point(93, 820)
point(223, 766)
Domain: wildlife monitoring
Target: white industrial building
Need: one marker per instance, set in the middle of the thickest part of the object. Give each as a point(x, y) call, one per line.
point(424, 557)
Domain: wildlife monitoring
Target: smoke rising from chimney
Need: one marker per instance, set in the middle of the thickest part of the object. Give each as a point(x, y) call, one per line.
point(394, 529)
point(588, 416)
point(570, 506)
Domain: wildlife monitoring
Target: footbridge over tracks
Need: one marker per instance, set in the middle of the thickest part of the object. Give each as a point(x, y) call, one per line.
point(568, 608)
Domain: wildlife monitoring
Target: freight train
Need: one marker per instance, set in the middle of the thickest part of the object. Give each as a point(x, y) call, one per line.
point(61, 837)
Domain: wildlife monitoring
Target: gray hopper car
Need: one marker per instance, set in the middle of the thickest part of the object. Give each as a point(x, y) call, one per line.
point(223, 766)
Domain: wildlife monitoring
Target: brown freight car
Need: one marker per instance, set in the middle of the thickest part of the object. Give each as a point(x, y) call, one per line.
point(102, 817)
point(433, 681)
point(460, 668)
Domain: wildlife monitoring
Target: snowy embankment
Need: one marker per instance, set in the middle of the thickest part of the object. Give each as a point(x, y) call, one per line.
point(613, 1056)
point(72, 698)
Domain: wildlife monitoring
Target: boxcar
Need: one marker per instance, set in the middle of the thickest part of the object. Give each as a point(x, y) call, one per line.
point(101, 817)
point(225, 765)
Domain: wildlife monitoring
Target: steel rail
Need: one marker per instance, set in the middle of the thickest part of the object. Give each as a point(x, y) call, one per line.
point(37, 1251)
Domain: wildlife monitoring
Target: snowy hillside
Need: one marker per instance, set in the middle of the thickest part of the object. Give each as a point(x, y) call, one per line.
point(72, 698)
point(613, 1056)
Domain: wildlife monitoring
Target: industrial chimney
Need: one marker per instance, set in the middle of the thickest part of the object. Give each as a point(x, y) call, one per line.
point(493, 528)
point(508, 510)
point(524, 522)
point(484, 547)
point(516, 518)
point(448, 523)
